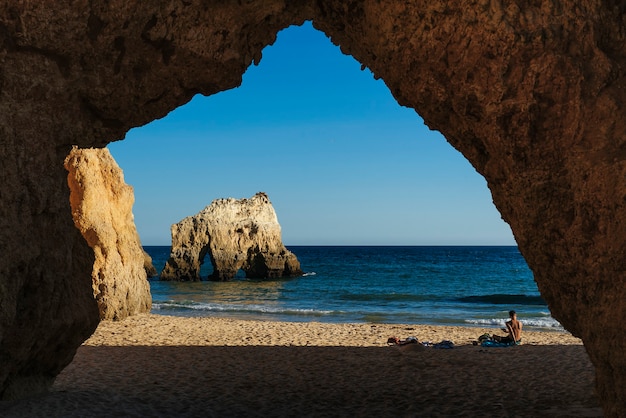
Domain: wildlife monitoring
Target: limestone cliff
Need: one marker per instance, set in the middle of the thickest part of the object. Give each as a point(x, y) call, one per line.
point(235, 234)
point(102, 210)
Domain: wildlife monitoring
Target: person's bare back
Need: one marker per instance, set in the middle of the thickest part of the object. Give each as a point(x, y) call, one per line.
point(513, 330)
point(514, 327)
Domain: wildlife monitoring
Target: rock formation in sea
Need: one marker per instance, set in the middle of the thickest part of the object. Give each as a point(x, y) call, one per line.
point(531, 94)
point(149, 268)
point(234, 234)
point(102, 210)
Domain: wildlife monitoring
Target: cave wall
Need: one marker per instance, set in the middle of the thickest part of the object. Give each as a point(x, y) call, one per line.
point(530, 92)
point(83, 73)
point(533, 97)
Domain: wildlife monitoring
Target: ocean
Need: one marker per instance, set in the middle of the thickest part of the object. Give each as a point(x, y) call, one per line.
point(437, 285)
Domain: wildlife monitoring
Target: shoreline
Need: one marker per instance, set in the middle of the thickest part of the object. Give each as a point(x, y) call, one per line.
point(239, 331)
point(156, 365)
point(286, 318)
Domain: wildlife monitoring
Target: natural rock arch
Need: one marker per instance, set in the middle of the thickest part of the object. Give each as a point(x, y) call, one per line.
point(532, 95)
point(236, 234)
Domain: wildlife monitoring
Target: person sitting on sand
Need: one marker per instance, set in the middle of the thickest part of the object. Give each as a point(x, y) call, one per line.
point(513, 330)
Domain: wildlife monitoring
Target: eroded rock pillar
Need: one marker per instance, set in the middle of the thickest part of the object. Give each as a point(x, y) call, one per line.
point(102, 204)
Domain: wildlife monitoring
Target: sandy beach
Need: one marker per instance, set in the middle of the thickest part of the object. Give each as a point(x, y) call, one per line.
point(162, 366)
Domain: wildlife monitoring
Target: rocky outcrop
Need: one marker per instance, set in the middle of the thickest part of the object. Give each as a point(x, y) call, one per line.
point(531, 94)
point(102, 210)
point(235, 234)
point(149, 268)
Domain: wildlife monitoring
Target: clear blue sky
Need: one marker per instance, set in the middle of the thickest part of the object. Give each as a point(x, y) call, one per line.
point(341, 161)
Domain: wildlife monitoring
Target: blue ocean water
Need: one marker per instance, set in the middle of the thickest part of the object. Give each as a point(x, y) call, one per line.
point(439, 285)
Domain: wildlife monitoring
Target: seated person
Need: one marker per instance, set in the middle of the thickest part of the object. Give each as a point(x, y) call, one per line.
point(513, 330)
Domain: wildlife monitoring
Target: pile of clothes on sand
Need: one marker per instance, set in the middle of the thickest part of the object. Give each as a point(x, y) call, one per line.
point(485, 340)
point(413, 340)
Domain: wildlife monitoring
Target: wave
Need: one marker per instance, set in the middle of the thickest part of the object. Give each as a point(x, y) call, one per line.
point(254, 309)
point(502, 299)
point(544, 323)
point(312, 273)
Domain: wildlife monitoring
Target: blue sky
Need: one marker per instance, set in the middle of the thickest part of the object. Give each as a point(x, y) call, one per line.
point(341, 161)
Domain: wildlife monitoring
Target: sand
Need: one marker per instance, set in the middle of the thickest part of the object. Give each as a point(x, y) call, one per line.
point(161, 366)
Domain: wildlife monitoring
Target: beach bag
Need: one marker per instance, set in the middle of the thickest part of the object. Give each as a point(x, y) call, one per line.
point(484, 337)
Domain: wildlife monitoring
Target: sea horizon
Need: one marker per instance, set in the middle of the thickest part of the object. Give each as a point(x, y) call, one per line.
point(463, 285)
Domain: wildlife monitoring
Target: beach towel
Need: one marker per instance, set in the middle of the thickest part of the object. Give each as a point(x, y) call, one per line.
point(444, 344)
point(492, 343)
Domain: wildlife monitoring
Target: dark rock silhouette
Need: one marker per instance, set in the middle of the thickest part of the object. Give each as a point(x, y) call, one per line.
point(531, 95)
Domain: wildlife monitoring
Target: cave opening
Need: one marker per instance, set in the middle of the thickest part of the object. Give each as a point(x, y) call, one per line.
point(341, 161)
point(560, 256)
point(329, 145)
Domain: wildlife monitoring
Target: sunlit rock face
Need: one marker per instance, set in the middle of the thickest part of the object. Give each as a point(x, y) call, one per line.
point(234, 234)
point(532, 95)
point(102, 210)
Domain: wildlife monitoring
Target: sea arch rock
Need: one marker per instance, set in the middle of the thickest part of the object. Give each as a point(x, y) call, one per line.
point(531, 93)
point(235, 234)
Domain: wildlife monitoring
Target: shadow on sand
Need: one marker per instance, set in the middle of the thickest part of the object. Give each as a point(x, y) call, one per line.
point(267, 381)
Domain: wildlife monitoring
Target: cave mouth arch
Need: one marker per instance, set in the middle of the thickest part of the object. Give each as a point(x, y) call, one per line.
point(313, 84)
point(308, 124)
point(529, 95)
point(329, 95)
